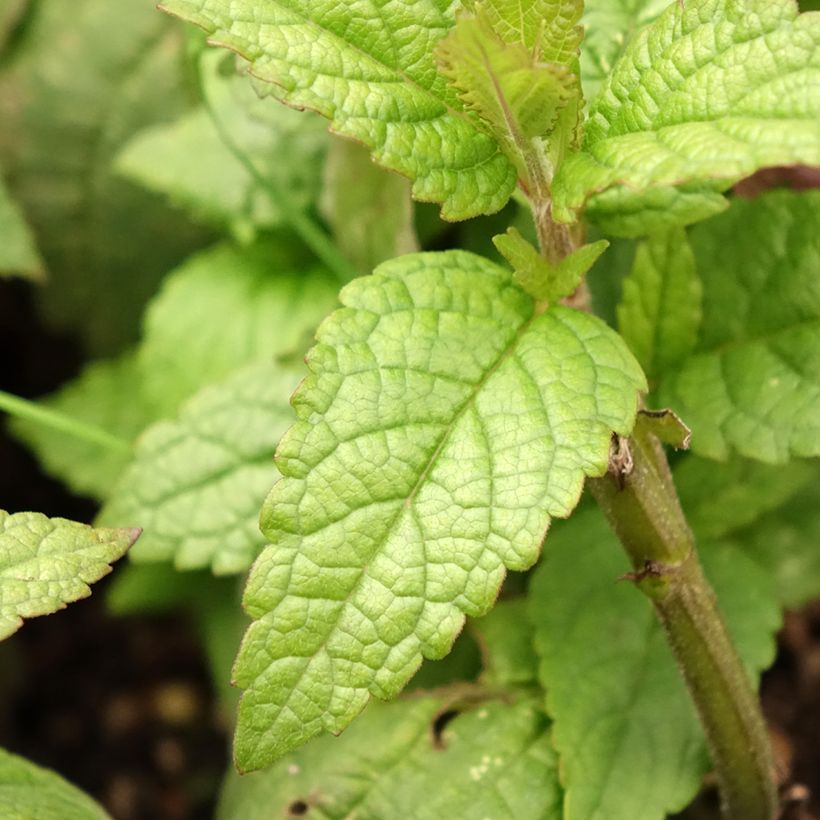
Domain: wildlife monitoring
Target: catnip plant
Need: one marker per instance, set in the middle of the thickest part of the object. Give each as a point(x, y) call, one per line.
point(457, 404)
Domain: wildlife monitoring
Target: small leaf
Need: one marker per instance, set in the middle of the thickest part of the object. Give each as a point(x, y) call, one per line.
point(407, 493)
point(537, 276)
point(752, 384)
point(494, 758)
point(196, 483)
point(710, 92)
point(373, 75)
point(629, 742)
point(368, 209)
point(29, 792)
point(18, 254)
point(666, 426)
point(46, 563)
point(660, 312)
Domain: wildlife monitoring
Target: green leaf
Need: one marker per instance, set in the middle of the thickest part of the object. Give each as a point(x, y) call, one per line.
point(46, 563)
point(374, 76)
point(610, 676)
point(69, 100)
point(517, 97)
point(537, 276)
point(506, 638)
point(721, 498)
point(368, 209)
point(187, 160)
point(407, 493)
point(196, 483)
point(660, 312)
point(494, 760)
point(752, 385)
point(29, 792)
point(710, 92)
point(18, 254)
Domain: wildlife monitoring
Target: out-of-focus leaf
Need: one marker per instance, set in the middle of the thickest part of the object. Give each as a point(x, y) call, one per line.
point(18, 253)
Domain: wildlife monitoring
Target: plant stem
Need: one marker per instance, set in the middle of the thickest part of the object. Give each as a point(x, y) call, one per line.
point(308, 231)
point(639, 499)
point(642, 507)
point(29, 410)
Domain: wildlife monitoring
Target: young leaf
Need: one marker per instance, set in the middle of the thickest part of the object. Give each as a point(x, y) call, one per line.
point(493, 760)
point(517, 97)
point(46, 563)
point(188, 161)
point(709, 93)
point(368, 209)
point(629, 742)
point(373, 74)
point(29, 792)
point(407, 493)
point(196, 483)
point(751, 385)
point(18, 254)
point(660, 312)
point(537, 276)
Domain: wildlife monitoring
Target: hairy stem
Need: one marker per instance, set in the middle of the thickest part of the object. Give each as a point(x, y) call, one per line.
point(31, 411)
point(639, 499)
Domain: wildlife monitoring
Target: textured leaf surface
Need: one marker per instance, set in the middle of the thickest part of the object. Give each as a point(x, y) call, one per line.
point(196, 483)
point(18, 253)
point(187, 160)
point(753, 383)
point(368, 209)
point(373, 74)
point(711, 91)
point(609, 674)
point(660, 312)
point(29, 792)
point(70, 98)
point(494, 760)
point(407, 491)
point(46, 563)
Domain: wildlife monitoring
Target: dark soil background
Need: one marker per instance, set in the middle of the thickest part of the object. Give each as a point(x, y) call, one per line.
point(124, 708)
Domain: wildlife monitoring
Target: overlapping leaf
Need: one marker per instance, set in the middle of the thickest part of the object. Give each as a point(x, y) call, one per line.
point(373, 74)
point(752, 384)
point(609, 674)
point(29, 792)
point(707, 94)
point(196, 483)
point(407, 491)
point(46, 563)
point(492, 760)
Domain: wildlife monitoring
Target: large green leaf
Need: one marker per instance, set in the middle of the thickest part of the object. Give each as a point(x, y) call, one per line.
point(46, 563)
point(707, 94)
point(660, 313)
point(196, 483)
point(373, 74)
point(69, 99)
point(18, 253)
point(493, 760)
point(407, 491)
point(188, 161)
point(29, 792)
point(630, 744)
point(752, 384)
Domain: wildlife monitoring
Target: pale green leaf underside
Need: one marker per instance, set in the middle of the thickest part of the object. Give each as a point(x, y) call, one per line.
point(371, 70)
point(46, 563)
point(29, 792)
point(752, 385)
point(18, 254)
point(660, 311)
point(630, 744)
point(494, 760)
point(443, 425)
point(196, 483)
point(711, 91)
